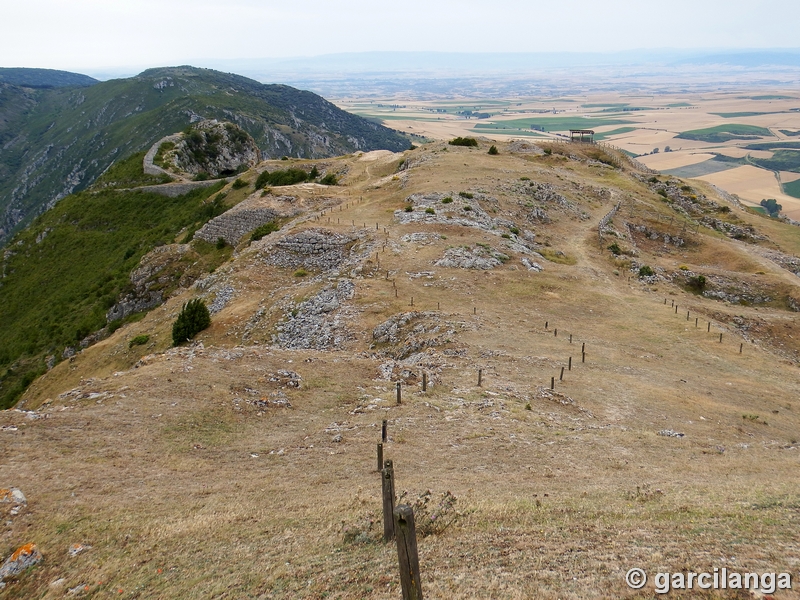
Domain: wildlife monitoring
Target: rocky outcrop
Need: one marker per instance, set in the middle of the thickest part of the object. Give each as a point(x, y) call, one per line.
point(214, 148)
point(24, 557)
point(313, 248)
point(319, 322)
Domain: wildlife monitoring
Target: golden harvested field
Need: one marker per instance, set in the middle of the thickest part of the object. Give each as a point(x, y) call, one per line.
point(639, 124)
point(244, 464)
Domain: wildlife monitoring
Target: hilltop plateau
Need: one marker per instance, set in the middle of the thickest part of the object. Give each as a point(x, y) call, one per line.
point(611, 359)
point(58, 141)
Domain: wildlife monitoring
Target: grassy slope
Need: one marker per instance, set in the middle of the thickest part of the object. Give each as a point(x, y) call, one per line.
point(559, 499)
point(57, 290)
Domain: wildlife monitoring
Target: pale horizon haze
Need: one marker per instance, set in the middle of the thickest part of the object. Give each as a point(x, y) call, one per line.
point(90, 36)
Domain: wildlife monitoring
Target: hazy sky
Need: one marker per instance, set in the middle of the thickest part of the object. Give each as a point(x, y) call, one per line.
point(85, 35)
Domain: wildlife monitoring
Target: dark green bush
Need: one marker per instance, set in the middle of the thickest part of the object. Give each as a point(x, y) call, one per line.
point(314, 173)
point(287, 177)
point(430, 211)
point(220, 243)
point(645, 271)
point(263, 230)
point(409, 208)
point(139, 340)
point(239, 184)
point(466, 195)
point(329, 179)
point(697, 283)
point(193, 318)
point(463, 141)
point(493, 150)
point(447, 200)
point(615, 249)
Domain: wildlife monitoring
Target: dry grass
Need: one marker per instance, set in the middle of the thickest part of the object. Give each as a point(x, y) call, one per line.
point(184, 491)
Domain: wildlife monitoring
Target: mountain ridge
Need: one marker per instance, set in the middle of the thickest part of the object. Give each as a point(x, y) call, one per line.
point(57, 141)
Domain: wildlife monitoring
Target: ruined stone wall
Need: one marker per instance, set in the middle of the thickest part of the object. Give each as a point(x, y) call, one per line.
point(233, 225)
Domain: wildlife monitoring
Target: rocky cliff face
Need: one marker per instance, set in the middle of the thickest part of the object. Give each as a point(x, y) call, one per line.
point(214, 148)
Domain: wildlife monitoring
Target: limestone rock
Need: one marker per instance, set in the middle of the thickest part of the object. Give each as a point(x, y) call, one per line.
point(25, 556)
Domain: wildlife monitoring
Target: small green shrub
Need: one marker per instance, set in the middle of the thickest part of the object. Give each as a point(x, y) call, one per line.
point(329, 179)
point(202, 176)
point(313, 173)
point(466, 195)
point(645, 271)
point(284, 158)
point(263, 230)
point(220, 243)
point(493, 150)
point(301, 272)
point(697, 283)
point(524, 178)
point(139, 340)
point(447, 200)
point(653, 180)
point(505, 235)
point(409, 208)
point(239, 184)
point(662, 193)
point(430, 211)
point(548, 151)
point(464, 141)
point(615, 249)
point(514, 230)
point(467, 208)
point(193, 318)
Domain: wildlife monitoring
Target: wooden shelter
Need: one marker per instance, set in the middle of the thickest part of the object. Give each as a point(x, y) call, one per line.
point(581, 135)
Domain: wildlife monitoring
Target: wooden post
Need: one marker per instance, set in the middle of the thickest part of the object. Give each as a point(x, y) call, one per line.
point(424, 382)
point(555, 332)
point(687, 315)
point(545, 325)
point(709, 326)
point(697, 319)
point(399, 399)
point(412, 300)
point(561, 377)
point(583, 348)
point(570, 363)
point(673, 303)
point(665, 301)
point(437, 306)
point(407, 555)
point(552, 383)
point(570, 338)
point(720, 338)
point(676, 309)
point(380, 457)
point(474, 310)
point(395, 292)
point(583, 357)
point(384, 430)
point(480, 377)
point(387, 489)
point(740, 348)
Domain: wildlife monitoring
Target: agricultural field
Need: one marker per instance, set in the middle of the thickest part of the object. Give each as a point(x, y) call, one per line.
point(745, 143)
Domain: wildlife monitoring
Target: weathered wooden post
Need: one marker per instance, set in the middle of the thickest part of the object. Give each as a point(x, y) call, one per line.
point(673, 303)
point(424, 382)
point(720, 338)
point(399, 399)
point(387, 488)
point(709, 326)
point(687, 315)
point(740, 348)
point(583, 348)
point(561, 377)
point(384, 432)
point(437, 306)
point(407, 555)
point(696, 321)
point(583, 357)
point(545, 325)
point(555, 332)
point(380, 457)
point(552, 383)
point(665, 301)
point(570, 338)
point(676, 309)
point(412, 300)
point(480, 377)
point(570, 364)
point(474, 310)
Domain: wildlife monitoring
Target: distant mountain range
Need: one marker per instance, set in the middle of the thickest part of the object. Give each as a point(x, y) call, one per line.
point(59, 131)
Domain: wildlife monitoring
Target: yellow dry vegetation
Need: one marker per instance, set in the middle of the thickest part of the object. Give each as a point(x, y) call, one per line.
point(189, 475)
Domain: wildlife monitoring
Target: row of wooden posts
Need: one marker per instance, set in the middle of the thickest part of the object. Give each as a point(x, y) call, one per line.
point(697, 323)
point(398, 523)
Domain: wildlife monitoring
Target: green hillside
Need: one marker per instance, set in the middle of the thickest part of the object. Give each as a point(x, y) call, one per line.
point(44, 78)
point(57, 141)
point(60, 275)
